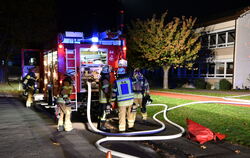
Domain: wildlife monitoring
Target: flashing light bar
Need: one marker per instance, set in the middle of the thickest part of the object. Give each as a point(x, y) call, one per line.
point(74, 34)
point(94, 39)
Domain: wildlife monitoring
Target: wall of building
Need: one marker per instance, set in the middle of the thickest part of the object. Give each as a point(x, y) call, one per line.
point(217, 27)
point(242, 52)
point(224, 53)
point(215, 82)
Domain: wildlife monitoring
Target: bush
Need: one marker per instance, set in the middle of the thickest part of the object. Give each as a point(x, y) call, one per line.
point(208, 86)
point(225, 84)
point(200, 83)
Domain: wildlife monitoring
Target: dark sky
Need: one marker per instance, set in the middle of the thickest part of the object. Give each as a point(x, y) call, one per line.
point(99, 15)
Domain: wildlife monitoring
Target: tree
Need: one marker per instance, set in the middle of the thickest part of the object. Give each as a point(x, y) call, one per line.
point(163, 44)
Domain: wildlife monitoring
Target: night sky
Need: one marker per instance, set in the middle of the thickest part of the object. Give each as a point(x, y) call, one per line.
point(100, 15)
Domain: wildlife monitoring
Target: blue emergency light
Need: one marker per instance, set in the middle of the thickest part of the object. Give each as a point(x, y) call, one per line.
point(94, 39)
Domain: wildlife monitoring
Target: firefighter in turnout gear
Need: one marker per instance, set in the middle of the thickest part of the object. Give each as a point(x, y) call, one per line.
point(104, 98)
point(141, 91)
point(29, 86)
point(64, 105)
point(123, 93)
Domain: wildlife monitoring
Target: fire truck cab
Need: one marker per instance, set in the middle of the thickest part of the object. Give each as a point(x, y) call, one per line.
point(83, 58)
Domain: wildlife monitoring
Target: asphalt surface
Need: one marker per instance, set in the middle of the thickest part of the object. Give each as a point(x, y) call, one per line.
point(27, 132)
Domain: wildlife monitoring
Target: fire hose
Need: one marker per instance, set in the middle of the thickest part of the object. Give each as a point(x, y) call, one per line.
point(111, 136)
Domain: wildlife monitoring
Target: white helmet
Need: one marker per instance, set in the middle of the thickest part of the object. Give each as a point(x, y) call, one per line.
point(105, 69)
point(121, 71)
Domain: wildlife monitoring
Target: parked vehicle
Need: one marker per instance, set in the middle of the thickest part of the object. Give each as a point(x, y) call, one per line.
point(84, 58)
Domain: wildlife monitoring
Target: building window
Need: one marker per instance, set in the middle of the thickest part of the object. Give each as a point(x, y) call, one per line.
point(220, 69)
point(212, 43)
point(229, 69)
point(219, 39)
point(222, 39)
point(211, 67)
point(231, 37)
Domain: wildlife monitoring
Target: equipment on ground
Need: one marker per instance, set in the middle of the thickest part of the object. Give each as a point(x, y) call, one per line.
point(146, 100)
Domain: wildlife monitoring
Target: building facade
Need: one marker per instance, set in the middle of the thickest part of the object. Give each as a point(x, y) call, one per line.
point(228, 42)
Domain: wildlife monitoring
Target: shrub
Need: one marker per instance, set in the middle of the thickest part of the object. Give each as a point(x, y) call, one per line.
point(200, 83)
point(208, 86)
point(225, 84)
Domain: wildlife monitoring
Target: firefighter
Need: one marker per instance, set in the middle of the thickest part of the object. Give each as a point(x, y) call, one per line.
point(29, 86)
point(141, 91)
point(123, 93)
point(104, 98)
point(64, 105)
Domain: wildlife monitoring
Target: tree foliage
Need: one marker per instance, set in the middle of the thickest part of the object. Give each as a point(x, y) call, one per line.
point(163, 44)
point(174, 43)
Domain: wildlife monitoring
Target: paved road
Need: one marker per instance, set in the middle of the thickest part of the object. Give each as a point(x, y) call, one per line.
point(25, 133)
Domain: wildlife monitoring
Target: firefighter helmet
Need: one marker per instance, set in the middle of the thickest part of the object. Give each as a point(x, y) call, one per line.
point(137, 70)
point(105, 69)
point(137, 74)
point(121, 71)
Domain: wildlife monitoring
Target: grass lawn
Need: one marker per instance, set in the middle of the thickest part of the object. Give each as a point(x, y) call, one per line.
point(11, 88)
point(234, 121)
point(245, 97)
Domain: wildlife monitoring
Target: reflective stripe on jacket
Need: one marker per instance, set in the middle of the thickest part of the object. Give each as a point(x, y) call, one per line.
point(102, 97)
point(104, 91)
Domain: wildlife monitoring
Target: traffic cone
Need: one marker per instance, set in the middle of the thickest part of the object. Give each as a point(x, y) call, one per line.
point(108, 155)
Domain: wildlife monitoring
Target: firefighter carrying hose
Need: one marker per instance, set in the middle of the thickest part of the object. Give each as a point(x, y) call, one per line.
point(64, 105)
point(104, 98)
point(141, 91)
point(123, 93)
point(29, 86)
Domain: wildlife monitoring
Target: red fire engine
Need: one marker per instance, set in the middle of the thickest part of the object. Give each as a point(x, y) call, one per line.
point(84, 57)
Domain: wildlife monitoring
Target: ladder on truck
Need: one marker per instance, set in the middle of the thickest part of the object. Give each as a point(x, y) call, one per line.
point(71, 65)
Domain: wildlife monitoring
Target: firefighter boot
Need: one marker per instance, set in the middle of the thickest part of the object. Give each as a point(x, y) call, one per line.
point(101, 126)
point(60, 128)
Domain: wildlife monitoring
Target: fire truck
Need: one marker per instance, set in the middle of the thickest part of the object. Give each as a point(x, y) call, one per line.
point(84, 58)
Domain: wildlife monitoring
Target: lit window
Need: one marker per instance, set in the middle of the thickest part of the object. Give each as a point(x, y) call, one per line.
point(219, 68)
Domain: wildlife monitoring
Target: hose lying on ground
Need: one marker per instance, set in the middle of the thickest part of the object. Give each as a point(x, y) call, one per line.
point(142, 138)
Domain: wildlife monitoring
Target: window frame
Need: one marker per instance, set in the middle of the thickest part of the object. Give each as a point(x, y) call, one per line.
point(217, 44)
